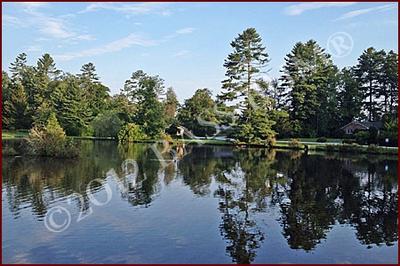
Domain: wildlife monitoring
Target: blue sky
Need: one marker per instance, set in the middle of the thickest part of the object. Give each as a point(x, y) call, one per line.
point(185, 43)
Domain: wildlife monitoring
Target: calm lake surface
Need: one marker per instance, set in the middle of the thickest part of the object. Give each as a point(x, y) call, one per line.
point(199, 204)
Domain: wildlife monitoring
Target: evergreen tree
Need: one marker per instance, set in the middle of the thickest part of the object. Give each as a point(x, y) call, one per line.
point(243, 67)
point(46, 68)
point(95, 93)
point(72, 111)
point(389, 81)
point(6, 97)
point(350, 97)
point(170, 105)
point(368, 72)
point(309, 78)
point(18, 107)
point(198, 113)
point(88, 73)
point(17, 68)
point(244, 83)
point(144, 91)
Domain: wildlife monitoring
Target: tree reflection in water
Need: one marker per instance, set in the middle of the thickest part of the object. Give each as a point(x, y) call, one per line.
point(312, 192)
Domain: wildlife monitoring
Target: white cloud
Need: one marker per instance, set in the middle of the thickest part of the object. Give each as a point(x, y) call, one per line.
point(185, 30)
point(359, 12)
point(114, 46)
point(298, 9)
point(54, 28)
point(131, 9)
point(49, 26)
point(31, 5)
point(13, 21)
point(34, 48)
point(182, 53)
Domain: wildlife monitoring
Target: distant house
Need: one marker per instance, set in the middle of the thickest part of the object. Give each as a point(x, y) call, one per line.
point(351, 127)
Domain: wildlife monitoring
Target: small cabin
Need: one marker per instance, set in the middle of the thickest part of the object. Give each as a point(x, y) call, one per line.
point(354, 126)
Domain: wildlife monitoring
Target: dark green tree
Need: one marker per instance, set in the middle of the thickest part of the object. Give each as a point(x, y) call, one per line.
point(369, 76)
point(144, 91)
point(198, 113)
point(389, 81)
point(243, 67)
point(309, 77)
point(350, 97)
point(170, 105)
point(95, 93)
point(17, 107)
point(6, 97)
point(18, 67)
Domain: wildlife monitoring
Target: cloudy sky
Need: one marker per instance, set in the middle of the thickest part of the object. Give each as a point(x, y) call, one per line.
point(186, 43)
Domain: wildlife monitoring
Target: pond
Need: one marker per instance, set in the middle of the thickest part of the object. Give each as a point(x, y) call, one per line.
point(144, 203)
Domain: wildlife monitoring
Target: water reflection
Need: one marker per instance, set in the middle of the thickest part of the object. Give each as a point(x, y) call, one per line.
point(313, 193)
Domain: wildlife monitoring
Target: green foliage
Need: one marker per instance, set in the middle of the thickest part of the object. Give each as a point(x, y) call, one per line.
point(350, 141)
point(243, 67)
point(167, 138)
point(368, 74)
point(350, 97)
point(107, 125)
point(131, 133)
point(198, 113)
point(310, 78)
point(362, 137)
point(17, 108)
point(144, 91)
point(170, 106)
point(311, 99)
point(295, 144)
point(51, 140)
point(389, 132)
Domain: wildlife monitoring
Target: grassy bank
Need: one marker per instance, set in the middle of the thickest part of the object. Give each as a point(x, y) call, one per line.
point(332, 145)
point(337, 147)
point(7, 134)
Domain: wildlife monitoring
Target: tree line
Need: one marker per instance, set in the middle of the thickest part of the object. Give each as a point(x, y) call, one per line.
point(312, 98)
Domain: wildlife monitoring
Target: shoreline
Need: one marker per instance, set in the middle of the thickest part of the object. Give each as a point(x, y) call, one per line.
point(335, 147)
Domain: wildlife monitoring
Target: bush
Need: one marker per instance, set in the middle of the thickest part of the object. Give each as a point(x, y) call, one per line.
point(167, 137)
point(322, 140)
point(362, 137)
point(330, 148)
point(9, 151)
point(348, 141)
point(107, 125)
point(349, 148)
point(131, 133)
point(372, 148)
point(295, 144)
point(51, 141)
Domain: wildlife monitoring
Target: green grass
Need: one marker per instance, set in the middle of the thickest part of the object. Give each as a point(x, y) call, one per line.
point(9, 134)
point(331, 140)
point(311, 143)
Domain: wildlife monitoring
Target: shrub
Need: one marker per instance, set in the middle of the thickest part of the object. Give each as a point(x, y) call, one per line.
point(131, 133)
point(348, 141)
point(349, 148)
point(322, 140)
point(51, 140)
point(9, 151)
point(372, 148)
point(362, 137)
point(167, 137)
point(107, 125)
point(330, 148)
point(294, 143)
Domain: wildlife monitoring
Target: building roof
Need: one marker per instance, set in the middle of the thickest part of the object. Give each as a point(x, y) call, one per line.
point(365, 124)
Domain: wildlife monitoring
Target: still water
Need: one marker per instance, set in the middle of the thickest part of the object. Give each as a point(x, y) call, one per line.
point(199, 204)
